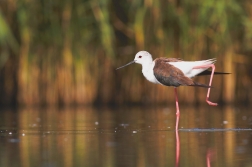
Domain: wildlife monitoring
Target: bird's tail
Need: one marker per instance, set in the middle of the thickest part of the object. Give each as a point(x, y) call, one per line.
point(207, 72)
point(200, 85)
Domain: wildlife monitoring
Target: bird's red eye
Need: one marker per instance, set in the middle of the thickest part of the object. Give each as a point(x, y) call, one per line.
point(139, 56)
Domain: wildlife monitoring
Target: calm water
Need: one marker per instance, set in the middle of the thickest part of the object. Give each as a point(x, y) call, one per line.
point(126, 137)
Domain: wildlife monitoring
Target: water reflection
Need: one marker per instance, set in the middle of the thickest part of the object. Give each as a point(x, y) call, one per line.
point(139, 136)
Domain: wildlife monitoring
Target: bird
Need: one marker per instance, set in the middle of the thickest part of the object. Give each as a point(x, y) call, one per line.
point(175, 72)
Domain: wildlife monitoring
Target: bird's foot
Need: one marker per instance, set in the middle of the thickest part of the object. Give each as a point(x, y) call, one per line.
point(211, 103)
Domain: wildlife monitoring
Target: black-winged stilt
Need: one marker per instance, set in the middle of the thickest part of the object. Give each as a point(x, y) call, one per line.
point(175, 72)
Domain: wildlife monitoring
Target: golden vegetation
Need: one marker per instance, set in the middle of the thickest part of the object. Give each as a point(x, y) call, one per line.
point(66, 52)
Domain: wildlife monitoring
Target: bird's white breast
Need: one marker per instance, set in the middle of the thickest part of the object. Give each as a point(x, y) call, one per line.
point(147, 70)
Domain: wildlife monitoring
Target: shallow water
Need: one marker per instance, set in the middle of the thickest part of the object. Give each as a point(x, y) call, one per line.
point(128, 136)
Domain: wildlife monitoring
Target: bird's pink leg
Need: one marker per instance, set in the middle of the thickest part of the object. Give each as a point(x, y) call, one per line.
point(210, 82)
point(177, 149)
point(177, 108)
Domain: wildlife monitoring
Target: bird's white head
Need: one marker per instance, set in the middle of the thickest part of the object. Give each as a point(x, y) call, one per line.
point(143, 57)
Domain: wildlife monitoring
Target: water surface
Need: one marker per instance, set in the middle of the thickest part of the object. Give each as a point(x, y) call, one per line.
point(127, 136)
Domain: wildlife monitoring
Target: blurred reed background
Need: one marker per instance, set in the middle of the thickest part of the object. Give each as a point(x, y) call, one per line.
point(65, 52)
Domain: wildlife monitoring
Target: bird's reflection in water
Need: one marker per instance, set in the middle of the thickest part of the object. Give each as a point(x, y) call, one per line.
point(209, 154)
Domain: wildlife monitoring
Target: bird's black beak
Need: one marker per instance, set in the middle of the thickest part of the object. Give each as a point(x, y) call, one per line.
point(126, 65)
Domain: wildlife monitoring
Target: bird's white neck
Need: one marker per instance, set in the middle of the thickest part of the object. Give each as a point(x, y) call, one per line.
point(147, 66)
point(147, 70)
